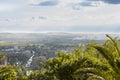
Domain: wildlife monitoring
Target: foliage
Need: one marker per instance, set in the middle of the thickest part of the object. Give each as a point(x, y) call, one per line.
point(2, 56)
point(7, 73)
point(111, 53)
point(73, 66)
point(12, 72)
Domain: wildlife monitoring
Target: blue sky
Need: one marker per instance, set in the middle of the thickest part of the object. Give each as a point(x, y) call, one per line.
point(60, 15)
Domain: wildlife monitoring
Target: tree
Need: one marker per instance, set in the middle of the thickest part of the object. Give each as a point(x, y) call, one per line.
point(73, 66)
point(7, 72)
point(111, 52)
point(1, 56)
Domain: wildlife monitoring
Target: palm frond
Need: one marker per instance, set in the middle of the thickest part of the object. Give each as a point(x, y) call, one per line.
point(115, 44)
point(90, 71)
point(107, 54)
point(5, 71)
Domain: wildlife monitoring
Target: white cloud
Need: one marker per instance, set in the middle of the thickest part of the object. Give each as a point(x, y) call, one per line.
point(61, 17)
point(7, 7)
point(11, 5)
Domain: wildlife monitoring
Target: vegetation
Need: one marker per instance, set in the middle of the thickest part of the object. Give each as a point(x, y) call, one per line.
point(7, 72)
point(112, 55)
point(91, 62)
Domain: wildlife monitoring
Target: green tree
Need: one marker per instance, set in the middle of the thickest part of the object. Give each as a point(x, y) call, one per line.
point(1, 56)
point(73, 66)
point(7, 72)
point(111, 52)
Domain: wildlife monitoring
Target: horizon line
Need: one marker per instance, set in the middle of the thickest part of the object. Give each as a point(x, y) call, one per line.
point(60, 32)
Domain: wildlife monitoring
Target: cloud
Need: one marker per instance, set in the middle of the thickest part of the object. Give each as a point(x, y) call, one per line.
point(11, 5)
point(92, 3)
point(39, 18)
point(86, 3)
point(7, 20)
point(43, 17)
point(61, 15)
point(7, 7)
point(79, 5)
point(108, 1)
point(76, 6)
point(47, 3)
point(112, 1)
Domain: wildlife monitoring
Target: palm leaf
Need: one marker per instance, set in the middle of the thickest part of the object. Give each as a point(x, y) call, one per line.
point(107, 54)
point(3, 71)
point(115, 44)
point(88, 72)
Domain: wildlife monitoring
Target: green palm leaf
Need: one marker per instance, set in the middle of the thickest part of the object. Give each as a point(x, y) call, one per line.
point(114, 61)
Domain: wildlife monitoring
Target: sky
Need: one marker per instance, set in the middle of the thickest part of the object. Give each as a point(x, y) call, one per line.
point(60, 16)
